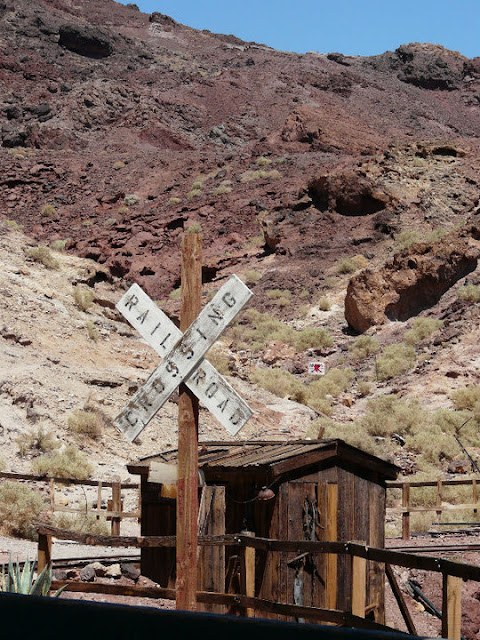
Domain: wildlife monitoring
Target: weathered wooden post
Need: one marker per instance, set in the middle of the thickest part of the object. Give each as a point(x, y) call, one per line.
point(187, 473)
point(452, 607)
point(359, 585)
point(116, 508)
point(44, 556)
point(406, 513)
point(332, 536)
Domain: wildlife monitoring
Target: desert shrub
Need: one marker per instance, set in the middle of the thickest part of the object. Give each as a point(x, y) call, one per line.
point(220, 361)
point(68, 463)
point(48, 210)
point(36, 441)
point(122, 209)
point(388, 414)
point(172, 201)
point(466, 397)
point(281, 297)
point(422, 521)
point(364, 388)
point(92, 331)
point(119, 164)
point(435, 235)
point(363, 347)
point(252, 276)
point(87, 422)
point(12, 224)
point(330, 282)
point(469, 293)
point(44, 256)
point(83, 297)
point(324, 304)
point(222, 189)
point(194, 193)
point(175, 294)
point(262, 161)
point(265, 329)
point(320, 392)
point(20, 509)
point(82, 523)
point(282, 383)
point(195, 227)
point(351, 432)
point(198, 184)
point(251, 175)
point(406, 239)
point(59, 245)
point(350, 265)
point(311, 338)
point(395, 360)
point(422, 328)
point(131, 199)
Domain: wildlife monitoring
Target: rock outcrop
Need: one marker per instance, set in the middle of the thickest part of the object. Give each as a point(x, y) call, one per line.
point(413, 280)
point(85, 40)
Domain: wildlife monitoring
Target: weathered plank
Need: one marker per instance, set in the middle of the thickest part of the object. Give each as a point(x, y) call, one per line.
point(397, 592)
point(211, 388)
point(184, 358)
point(451, 607)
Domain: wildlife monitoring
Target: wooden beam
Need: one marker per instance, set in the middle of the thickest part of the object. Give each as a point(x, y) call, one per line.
point(116, 507)
point(359, 586)
point(406, 514)
point(248, 573)
point(44, 556)
point(187, 482)
point(332, 536)
point(451, 607)
point(402, 605)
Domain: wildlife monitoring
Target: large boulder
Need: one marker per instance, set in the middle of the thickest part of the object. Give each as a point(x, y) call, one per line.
point(413, 280)
point(85, 40)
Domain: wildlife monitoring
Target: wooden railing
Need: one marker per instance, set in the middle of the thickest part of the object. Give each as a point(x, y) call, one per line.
point(114, 512)
point(439, 505)
point(453, 575)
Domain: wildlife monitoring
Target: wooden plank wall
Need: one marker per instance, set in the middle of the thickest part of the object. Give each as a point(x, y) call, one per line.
point(211, 560)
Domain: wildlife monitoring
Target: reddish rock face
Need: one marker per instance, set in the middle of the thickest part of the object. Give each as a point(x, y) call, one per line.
point(413, 280)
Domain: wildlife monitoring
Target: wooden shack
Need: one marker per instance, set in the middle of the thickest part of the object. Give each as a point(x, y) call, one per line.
point(321, 490)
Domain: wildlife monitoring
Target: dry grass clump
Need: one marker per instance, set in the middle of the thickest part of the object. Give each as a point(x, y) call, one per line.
point(363, 347)
point(92, 331)
point(395, 360)
point(222, 189)
point(216, 356)
point(119, 164)
point(44, 256)
point(36, 441)
point(59, 245)
point(470, 293)
point(12, 224)
point(48, 210)
point(324, 304)
point(82, 523)
point(68, 463)
point(350, 432)
point(388, 414)
point(20, 509)
point(175, 294)
point(321, 392)
point(406, 239)
point(350, 265)
point(83, 297)
point(89, 422)
point(281, 383)
point(131, 199)
point(262, 161)
point(281, 297)
point(194, 193)
point(252, 276)
point(251, 175)
point(172, 201)
point(422, 328)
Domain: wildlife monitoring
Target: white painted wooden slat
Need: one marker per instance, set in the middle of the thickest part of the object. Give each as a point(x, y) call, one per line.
point(210, 387)
point(184, 358)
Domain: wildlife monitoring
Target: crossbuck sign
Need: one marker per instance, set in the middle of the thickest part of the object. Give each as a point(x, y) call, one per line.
point(183, 359)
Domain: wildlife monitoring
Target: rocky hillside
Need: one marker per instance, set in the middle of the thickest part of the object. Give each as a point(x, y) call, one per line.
point(344, 190)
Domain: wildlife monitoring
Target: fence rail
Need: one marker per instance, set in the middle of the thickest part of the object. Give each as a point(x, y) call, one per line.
point(439, 506)
point(453, 575)
point(114, 512)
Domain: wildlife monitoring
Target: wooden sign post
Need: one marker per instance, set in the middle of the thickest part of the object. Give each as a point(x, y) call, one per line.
point(184, 366)
point(187, 478)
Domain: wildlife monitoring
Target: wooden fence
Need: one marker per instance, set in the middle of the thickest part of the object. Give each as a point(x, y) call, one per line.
point(439, 506)
point(114, 511)
point(245, 602)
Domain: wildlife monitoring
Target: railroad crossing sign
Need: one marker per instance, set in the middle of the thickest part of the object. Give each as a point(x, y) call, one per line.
point(183, 359)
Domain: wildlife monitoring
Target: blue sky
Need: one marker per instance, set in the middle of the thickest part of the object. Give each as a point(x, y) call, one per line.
point(354, 27)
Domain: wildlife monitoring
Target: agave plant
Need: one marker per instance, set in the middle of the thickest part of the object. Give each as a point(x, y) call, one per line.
point(23, 581)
